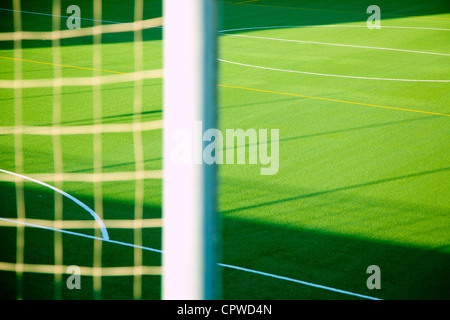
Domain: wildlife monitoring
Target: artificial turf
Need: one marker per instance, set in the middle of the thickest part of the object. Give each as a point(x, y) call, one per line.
point(363, 163)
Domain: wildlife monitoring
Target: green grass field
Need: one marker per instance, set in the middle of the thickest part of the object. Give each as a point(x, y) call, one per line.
point(364, 162)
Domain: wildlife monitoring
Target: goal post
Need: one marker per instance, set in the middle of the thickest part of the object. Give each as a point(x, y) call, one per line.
point(189, 185)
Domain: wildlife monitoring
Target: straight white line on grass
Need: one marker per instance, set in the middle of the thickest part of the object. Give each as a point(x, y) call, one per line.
point(299, 281)
point(106, 239)
point(80, 235)
point(309, 284)
point(331, 26)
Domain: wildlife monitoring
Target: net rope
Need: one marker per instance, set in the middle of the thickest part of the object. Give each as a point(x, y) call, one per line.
point(56, 131)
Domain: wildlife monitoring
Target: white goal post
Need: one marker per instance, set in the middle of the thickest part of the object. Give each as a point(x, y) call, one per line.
point(189, 187)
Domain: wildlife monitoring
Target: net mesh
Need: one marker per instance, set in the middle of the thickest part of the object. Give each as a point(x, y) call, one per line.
point(45, 227)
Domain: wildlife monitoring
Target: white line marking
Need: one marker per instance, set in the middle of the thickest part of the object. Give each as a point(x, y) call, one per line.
point(337, 44)
point(220, 264)
point(309, 284)
point(299, 281)
point(81, 204)
point(329, 75)
point(80, 235)
point(334, 44)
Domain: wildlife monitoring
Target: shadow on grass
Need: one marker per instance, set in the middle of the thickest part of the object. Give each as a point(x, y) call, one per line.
point(345, 188)
point(37, 17)
point(371, 126)
point(333, 260)
point(327, 259)
point(77, 250)
point(345, 130)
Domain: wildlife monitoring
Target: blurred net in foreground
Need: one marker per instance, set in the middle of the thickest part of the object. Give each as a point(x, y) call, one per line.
point(30, 274)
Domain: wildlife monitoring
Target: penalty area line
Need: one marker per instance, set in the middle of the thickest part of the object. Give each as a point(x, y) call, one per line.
point(309, 284)
point(80, 235)
point(266, 274)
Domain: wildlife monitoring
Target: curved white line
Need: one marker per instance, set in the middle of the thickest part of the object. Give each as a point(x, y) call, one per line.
point(81, 204)
point(329, 75)
point(338, 44)
point(271, 275)
point(334, 44)
point(330, 26)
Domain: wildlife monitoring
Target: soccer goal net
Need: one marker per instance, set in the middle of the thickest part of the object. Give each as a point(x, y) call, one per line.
point(93, 203)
